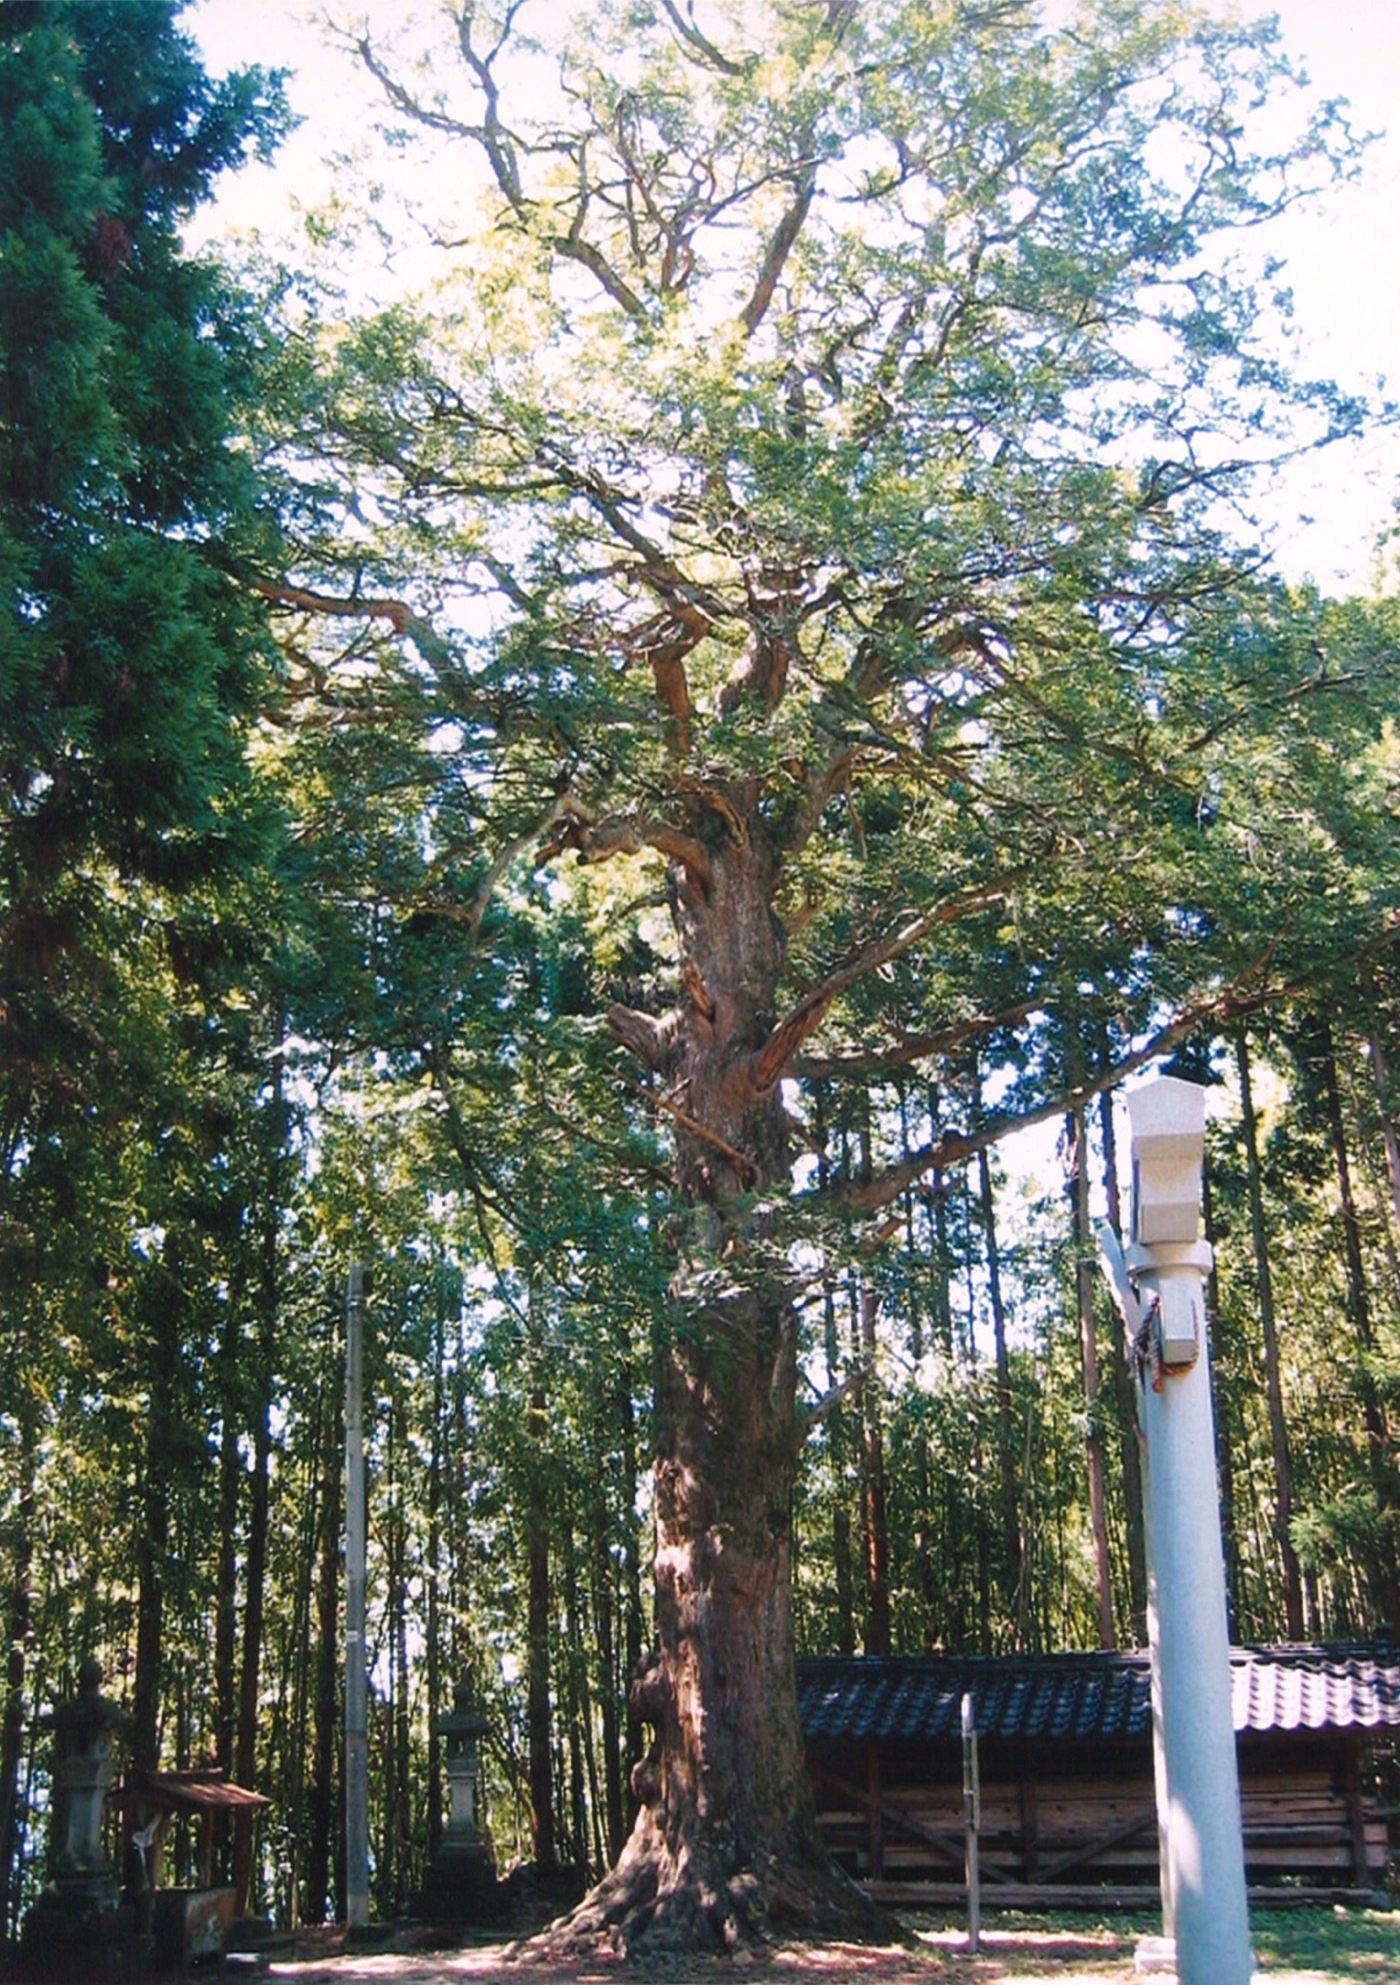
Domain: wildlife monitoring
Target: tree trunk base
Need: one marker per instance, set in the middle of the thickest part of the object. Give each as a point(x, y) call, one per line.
point(659, 1901)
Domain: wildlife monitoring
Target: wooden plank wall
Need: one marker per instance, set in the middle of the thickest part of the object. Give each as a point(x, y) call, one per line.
point(1056, 1828)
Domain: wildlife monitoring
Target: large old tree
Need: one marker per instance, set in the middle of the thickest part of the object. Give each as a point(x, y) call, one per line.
point(817, 490)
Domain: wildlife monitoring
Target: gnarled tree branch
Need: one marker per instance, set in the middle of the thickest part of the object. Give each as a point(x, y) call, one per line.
point(789, 1034)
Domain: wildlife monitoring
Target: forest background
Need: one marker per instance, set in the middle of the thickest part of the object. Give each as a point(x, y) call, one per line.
point(371, 777)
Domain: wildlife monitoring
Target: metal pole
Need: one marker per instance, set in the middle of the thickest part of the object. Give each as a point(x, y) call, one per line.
point(1203, 1884)
point(972, 1821)
point(356, 1681)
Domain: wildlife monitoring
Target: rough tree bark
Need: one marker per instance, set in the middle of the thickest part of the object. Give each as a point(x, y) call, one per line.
point(725, 1848)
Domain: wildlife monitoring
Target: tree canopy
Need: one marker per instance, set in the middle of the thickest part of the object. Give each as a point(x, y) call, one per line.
point(814, 490)
point(607, 786)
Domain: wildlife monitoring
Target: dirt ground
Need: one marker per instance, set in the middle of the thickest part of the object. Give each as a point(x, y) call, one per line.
point(1094, 1956)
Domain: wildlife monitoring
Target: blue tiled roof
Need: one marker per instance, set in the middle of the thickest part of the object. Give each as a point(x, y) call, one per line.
point(1069, 1696)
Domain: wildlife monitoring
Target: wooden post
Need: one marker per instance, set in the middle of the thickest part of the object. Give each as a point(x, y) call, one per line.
point(1356, 1814)
point(877, 1817)
point(1030, 1827)
point(356, 1680)
point(972, 1821)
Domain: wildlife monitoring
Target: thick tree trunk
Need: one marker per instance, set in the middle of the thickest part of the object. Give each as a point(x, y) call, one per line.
point(1268, 1329)
point(725, 1848)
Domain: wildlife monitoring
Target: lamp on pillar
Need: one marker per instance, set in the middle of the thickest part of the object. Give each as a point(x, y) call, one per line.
point(1203, 1885)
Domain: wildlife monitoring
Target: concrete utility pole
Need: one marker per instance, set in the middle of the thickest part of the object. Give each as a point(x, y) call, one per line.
point(356, 1679)
point(1203, 1886)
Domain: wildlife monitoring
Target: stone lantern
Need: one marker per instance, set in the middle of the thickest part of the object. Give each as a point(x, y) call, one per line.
point(460, 1884)
point(461, 1730)
point(75, 1928)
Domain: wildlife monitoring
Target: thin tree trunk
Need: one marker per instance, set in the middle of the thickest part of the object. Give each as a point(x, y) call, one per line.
point(153, 1541)
point(1378, 1063)
point(433, 1584)
point(538, 1716)
point(400, 1705)
point(633, 1633)
point(1006, 1431)
point(1224, 1412)
point(1089, 1369)
point(875, 1536)
point(254, 1606)
point(925, 1579)
point(942, 1270)
point(1268, 1328)
point(255, 1568)
point(1124, 1391)
point(1386, 1577)
point(837, 1438)
point(601, 1555)
point(579, 1709)
point(226, 1571)
point(19, 1614)
point(299, 1657)
point(321, 1804)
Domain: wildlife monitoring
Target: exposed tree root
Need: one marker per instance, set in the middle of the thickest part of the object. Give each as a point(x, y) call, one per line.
point(658, 1904)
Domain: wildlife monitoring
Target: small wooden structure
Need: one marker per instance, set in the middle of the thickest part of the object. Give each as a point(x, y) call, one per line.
point(1068, 1816)
point(189, 1924)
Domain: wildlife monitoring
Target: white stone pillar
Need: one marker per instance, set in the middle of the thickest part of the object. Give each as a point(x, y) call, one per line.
point(1203, 1885)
